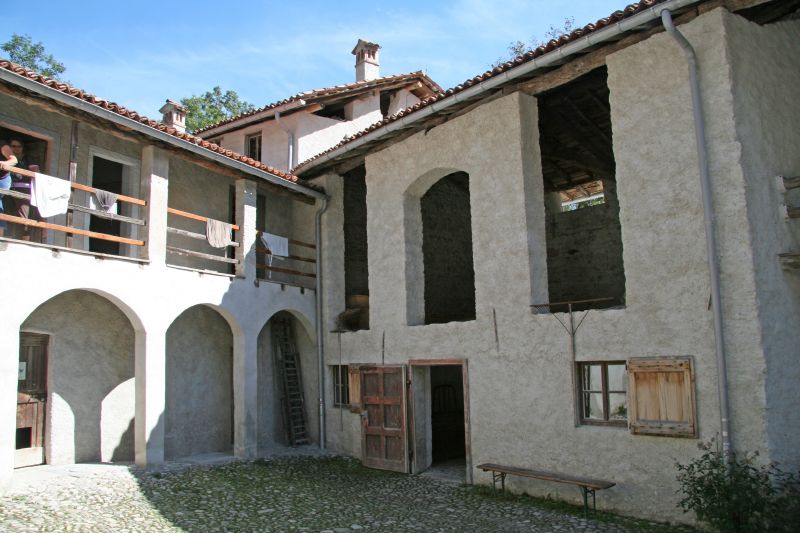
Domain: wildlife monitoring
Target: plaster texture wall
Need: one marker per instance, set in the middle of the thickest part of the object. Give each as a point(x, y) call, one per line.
point(147, 292)
point(766, 72)
point(520, 386)
point(199, 403)
point(400, 100)
point(90, 378)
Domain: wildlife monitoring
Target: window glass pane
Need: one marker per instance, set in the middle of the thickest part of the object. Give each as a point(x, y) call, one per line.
point(592, 377)
point(617, 406)
point(593, 405)
point(617, 378)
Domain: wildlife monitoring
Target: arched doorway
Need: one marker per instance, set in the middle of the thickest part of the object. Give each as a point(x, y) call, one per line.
point(77, 372)
point(288, 385)
point(199, 384)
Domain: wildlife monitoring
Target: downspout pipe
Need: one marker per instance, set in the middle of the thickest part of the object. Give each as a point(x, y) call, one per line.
point(319, 323)
point(708, 216)
point(290, 147)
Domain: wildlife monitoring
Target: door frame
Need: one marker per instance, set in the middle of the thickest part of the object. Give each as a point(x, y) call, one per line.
point(45, 403)
point(464, 364)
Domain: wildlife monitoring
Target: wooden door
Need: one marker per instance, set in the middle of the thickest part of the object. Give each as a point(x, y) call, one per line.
point(31, 399)
point(383, 419)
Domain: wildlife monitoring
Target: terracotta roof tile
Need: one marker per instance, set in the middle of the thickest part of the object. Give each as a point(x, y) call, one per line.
point(615, 17)
point(333, 91)
point(133, 115)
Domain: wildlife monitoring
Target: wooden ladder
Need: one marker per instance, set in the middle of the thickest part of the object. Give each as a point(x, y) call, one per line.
point(288, 363)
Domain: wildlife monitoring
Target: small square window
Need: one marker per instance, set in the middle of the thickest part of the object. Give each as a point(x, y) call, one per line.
point(341, 389)
point(603, 393)
point(252, 145)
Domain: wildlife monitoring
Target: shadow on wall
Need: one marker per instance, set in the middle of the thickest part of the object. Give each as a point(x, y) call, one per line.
point(90, 378)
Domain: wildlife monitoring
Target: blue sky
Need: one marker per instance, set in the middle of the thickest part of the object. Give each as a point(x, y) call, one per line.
point(140, 52)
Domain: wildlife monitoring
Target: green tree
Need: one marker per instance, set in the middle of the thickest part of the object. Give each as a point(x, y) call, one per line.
point(212, 107)
point(517, 48)
point(22, 50)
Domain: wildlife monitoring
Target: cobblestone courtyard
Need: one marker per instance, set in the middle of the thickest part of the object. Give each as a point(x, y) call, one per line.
point(281, 494)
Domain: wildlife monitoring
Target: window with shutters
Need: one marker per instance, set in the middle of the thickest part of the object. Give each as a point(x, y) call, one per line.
point(602, 391)
point(661, 396)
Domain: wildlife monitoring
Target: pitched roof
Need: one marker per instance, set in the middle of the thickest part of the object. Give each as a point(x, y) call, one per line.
point(133, 115)
point(612, 19)
point(335, 91)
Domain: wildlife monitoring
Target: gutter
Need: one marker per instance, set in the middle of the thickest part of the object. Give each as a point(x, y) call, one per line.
point(290, 142)
point(708, 217)
point(131, 124)
point(546, 60)
point(320, 344)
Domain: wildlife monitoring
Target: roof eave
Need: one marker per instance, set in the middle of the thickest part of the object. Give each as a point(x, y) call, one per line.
point(536, 63)
point(131, 124)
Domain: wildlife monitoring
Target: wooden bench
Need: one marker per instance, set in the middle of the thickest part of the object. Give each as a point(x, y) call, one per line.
point(587, 485)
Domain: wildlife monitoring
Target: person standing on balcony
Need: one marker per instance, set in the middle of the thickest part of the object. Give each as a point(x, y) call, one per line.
point(18, 206)
point(7, 161)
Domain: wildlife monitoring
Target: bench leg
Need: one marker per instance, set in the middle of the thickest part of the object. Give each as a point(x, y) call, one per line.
point(585, 491)
point(502, 477)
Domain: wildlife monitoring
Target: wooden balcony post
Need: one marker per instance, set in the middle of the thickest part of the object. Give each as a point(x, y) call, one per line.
point(246, 193)
point(155, 184)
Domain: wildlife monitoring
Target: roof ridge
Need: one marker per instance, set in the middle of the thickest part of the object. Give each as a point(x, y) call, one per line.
point(133, 115)
point(341, 87)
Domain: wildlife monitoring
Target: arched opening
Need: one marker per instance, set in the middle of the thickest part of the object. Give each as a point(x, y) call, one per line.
point(288, 384)
point(446, 280)
point(76, 389)
point(199, 384)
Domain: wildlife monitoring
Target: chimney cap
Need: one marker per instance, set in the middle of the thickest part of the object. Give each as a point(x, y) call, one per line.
point(170, 105)
point(365, 44)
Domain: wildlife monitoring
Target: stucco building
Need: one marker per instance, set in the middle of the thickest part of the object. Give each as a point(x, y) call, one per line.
point(514, 271)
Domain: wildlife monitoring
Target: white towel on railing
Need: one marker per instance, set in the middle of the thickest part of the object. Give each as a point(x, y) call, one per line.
point(218, 233)
point(278, 246)
point(50, 195)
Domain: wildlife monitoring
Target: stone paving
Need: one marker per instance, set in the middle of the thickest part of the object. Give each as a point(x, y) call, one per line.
point(321, 493)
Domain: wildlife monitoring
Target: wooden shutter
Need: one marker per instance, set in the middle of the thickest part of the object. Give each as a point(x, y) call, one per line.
point(354, 387)
point(661, 396)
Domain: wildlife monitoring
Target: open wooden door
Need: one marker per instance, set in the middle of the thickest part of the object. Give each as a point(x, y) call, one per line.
point(31, 399)
point(383, 420)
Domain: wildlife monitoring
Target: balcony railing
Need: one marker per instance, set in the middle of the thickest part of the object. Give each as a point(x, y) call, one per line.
point(293, 269)
point(69, 229)
point(201, 257)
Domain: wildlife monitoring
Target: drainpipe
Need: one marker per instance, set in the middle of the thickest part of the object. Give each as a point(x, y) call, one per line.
point(290, 147)
point(320, 353)
point(708, 216)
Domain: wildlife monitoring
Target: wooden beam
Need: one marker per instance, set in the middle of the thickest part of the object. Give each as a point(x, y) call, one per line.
point(193, 235)
point(68, 230)
point(186, 214)
point(791, 183)
point(284, 271)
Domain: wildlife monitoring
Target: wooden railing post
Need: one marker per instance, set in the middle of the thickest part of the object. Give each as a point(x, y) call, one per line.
point(155, 182)
point(246, 193)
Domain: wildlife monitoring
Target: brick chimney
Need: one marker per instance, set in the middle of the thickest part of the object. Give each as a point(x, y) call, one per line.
point(174, 115)
point(367, 60)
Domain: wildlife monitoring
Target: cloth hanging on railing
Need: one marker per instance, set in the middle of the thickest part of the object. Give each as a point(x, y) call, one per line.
point(50, 195)
point(277, 245)
point(103, 201)
point(218, 233)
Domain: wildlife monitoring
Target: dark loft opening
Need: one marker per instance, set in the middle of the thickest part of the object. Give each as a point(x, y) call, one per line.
point(356, 271)
point(584, 241)
point(447, 251)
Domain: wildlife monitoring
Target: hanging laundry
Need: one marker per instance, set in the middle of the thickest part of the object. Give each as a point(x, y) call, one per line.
point(278, 246)
point(50, 195)
point(103, 201)
point(218, 233)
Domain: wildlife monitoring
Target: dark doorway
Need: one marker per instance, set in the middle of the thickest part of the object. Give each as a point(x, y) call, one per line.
point(106, 175)
point(31, 399)
point(447, 415)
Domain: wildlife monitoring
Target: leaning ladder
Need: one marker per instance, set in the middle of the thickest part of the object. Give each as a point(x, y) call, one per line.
point(289, 366)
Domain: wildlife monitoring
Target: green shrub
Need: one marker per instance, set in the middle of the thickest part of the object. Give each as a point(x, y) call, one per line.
point(743, 495)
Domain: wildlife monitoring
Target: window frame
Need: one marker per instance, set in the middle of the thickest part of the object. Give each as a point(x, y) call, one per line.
point(340, 386)
point(247, 140)
point(604, 392)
